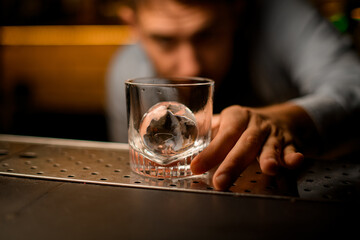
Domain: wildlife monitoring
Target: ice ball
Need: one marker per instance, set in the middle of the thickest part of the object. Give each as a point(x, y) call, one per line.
point(168, 128)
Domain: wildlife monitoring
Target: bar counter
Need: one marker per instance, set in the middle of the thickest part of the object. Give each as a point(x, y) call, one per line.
point(71, 189)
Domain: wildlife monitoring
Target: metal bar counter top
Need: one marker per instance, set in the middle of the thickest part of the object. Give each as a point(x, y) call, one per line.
point(72, 189)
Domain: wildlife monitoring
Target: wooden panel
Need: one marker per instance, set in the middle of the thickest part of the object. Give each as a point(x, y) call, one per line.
point(62, 68)
point(60, 78)
point(65, 35)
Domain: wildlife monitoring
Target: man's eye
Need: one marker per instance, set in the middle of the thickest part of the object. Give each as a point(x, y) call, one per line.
point(164, 42)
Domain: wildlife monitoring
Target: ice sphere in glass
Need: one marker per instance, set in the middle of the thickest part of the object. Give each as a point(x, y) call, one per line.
point(168, 128)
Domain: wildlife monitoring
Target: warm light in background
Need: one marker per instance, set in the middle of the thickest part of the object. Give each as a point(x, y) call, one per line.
point(355, 14)
point(65, 35)
point(56, 74)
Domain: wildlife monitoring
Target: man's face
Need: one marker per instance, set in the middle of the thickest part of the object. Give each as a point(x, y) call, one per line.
point(186, 40)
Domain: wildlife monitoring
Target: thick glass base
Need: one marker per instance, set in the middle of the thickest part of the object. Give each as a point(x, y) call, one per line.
point(144, 166)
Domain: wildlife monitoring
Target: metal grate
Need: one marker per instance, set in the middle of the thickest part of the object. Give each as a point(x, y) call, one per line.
point(108, 163)
point(330, 180)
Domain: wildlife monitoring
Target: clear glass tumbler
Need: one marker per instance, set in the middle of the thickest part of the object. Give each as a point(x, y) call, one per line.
point(169, 123)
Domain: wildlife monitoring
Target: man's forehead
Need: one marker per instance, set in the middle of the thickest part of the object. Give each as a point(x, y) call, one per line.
point(171, 17)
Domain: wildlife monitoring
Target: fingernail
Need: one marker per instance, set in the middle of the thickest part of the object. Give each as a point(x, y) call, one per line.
point(222, 181)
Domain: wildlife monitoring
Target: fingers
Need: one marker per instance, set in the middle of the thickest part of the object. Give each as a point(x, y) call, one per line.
point(239, 137)
point(231, 127)
point(270, 155)
point(276, 152)
point(292, 159)
point(242, 154)
point(215, 124)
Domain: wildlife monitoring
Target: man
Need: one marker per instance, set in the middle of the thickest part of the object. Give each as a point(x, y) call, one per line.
point(286, 82)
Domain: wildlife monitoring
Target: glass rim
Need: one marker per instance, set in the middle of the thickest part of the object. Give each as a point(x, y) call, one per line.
point(198, 81)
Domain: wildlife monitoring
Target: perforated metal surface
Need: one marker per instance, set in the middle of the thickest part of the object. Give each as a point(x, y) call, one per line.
point(330, 180)
point(108, 163)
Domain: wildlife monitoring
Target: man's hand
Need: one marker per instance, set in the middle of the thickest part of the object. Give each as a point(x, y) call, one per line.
point(242, 135)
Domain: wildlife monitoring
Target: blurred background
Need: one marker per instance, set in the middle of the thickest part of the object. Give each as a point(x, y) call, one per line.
point(54, 56)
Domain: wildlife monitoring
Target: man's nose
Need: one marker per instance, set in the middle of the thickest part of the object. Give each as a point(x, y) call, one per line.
point(188, 62)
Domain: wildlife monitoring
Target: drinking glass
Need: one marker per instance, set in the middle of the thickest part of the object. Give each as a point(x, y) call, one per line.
point(169, 123)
